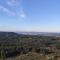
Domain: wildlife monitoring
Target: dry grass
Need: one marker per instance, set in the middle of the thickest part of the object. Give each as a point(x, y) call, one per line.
point(33, 56)
point(29, 56)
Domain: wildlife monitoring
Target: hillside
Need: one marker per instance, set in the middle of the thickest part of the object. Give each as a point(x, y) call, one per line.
point(29, 56)
point(41, 33)
point(19, 45)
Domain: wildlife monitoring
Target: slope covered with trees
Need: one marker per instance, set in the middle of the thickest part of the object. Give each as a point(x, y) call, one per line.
point(13, 44)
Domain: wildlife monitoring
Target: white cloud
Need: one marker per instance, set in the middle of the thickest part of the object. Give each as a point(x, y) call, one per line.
point(17, 12)
point(2, 8)
point(12, 2)
point(22, 14)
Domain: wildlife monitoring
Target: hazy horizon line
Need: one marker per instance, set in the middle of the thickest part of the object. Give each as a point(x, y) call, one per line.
point(33, 31)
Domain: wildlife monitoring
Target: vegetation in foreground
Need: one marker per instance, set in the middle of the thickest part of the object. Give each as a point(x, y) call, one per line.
point(28, 47)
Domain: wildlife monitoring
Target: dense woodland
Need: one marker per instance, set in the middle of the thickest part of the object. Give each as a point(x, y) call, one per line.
point(13, 44)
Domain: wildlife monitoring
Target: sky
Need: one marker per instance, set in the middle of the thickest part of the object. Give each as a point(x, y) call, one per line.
point(30, 15)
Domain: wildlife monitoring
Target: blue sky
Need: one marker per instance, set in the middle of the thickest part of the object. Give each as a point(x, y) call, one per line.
point(30, 15)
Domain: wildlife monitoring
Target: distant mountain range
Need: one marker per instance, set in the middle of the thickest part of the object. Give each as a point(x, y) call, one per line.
point(12, 38)
point(40, 33)
point(31, 33)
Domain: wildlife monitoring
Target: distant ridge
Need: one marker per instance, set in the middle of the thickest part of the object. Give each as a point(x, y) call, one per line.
point(31, 33)
point(40, 33)
point(10, 33)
